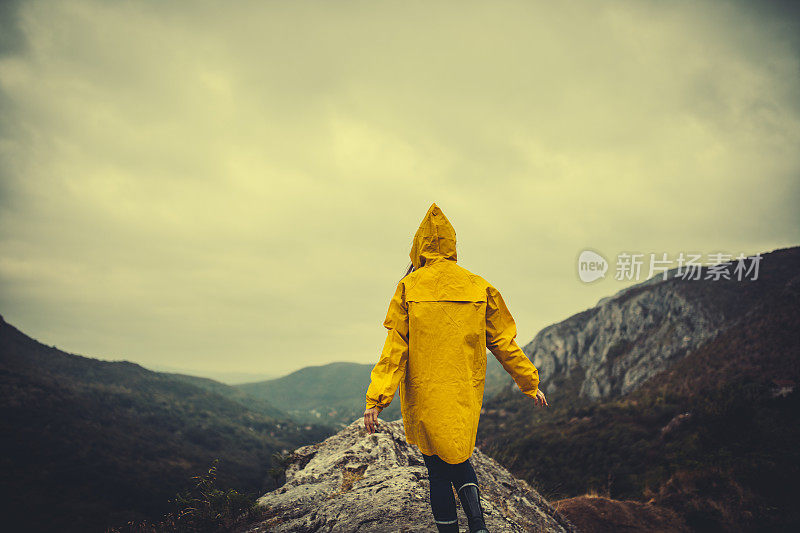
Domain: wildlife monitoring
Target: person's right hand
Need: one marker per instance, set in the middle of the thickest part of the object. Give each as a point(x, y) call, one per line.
point(540, 399)
point(371, 420)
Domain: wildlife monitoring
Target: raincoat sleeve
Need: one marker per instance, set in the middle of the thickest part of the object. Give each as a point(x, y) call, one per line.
point(390, 369)
point(500, 333)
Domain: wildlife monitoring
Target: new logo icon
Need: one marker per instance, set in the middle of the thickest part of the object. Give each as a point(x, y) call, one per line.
point(591, 266)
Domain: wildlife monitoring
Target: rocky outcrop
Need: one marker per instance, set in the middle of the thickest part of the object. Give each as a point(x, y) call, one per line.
point(631, 336)
point(624, 340)
point(359, 482)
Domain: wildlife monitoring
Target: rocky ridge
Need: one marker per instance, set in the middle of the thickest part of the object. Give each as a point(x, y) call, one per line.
point(629, 337)
point(359, 482)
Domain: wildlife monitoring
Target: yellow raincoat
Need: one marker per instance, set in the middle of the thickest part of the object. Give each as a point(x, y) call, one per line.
point(441, 320)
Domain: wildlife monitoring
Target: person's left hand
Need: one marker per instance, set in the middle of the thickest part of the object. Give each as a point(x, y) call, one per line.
point(371, 419)
point(540, 399)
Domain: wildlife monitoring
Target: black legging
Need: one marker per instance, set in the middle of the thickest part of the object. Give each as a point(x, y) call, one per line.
point(441, 474)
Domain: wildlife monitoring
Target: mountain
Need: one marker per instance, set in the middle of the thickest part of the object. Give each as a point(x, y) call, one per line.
point(354, 481)
point(629, 337)
point(334, 394)
point(228, 378)
point(330, 393)
point(88, 443)
point(674, 400)
point(257, 405)
point(707, 429)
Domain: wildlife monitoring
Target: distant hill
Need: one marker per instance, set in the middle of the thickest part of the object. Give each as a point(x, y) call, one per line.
point(86, 443)
point(712, 433)
point(221, 376)
point(334, 394)
point(258, 405)
point(331, 394)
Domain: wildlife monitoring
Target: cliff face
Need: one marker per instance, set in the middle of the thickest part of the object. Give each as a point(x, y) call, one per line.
point(355, 481)
point(625, 339)
point(617, 345)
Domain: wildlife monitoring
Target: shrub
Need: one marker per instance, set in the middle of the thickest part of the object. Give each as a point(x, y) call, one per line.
point(203, 508)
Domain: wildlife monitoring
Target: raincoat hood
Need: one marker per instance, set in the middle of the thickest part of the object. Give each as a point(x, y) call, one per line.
point(435, 239)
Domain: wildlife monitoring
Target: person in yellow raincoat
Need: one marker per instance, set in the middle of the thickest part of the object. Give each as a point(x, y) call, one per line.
point(440, 322)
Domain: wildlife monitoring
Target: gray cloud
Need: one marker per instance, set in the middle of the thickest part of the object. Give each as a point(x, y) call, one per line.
point(234, 187)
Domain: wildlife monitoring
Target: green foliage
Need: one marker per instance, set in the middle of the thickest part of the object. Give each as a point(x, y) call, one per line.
point(203, 508)
point(87, 443)
point(278, 471)
point(733, 460)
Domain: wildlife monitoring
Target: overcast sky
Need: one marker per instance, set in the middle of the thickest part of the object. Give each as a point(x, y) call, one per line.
point(232, 187)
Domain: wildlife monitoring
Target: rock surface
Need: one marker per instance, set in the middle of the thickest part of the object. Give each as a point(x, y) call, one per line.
point(359, 482)
point(626, 338)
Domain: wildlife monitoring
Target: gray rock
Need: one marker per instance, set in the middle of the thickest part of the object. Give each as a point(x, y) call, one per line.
point(625, 339)
point(359, 482)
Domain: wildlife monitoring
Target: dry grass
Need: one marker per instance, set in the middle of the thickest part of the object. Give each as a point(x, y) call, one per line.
point(350, 476)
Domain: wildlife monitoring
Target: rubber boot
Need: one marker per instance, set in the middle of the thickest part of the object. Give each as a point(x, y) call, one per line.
point(447, 528)
point(471, 502)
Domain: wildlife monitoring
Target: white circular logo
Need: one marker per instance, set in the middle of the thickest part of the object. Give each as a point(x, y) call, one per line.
point(591, 266)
